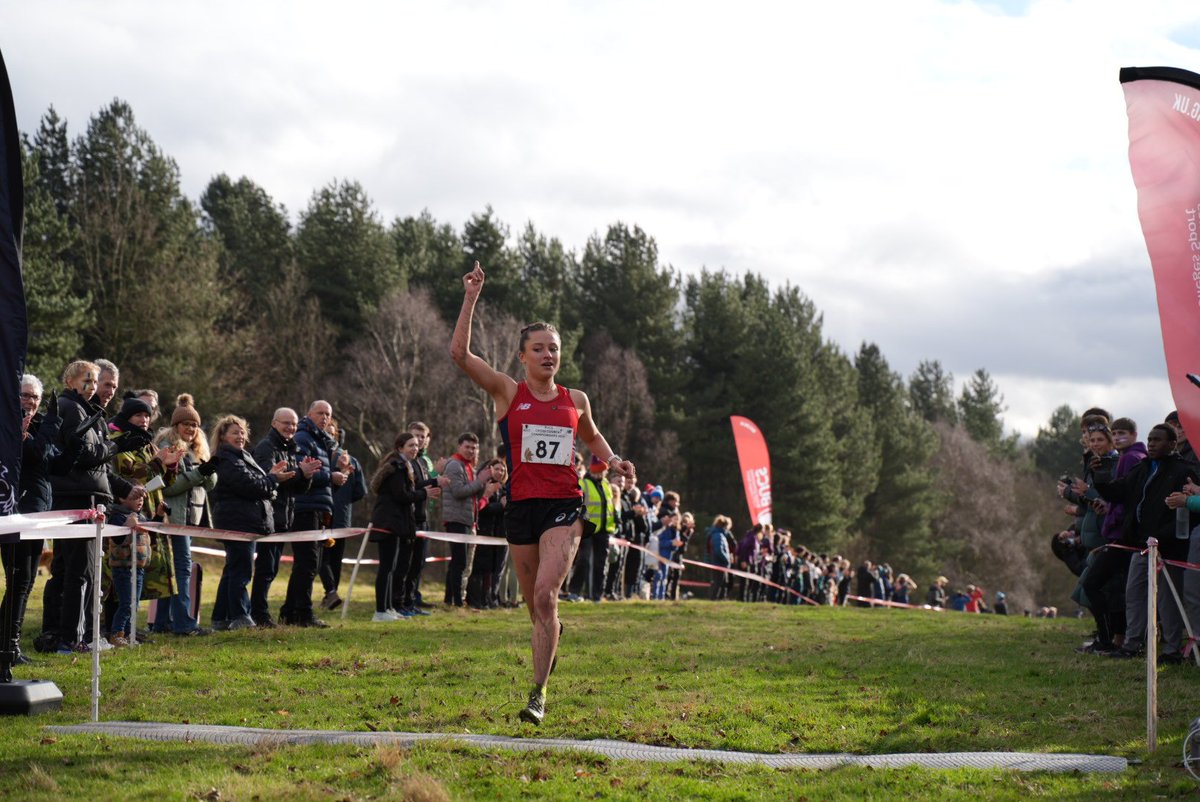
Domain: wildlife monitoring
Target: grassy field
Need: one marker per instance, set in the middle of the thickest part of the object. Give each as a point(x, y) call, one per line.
point(696, 674)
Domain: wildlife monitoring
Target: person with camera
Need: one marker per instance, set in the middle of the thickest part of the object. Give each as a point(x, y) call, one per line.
point(1144, 491)
point(1109, 615)
point(279, 445)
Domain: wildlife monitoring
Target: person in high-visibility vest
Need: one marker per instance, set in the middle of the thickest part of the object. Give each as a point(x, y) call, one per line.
point(588, 578)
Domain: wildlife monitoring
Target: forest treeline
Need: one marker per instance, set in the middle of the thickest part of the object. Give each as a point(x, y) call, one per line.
point(226, 298)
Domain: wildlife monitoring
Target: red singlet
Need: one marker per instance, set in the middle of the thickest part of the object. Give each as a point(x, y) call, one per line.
point(539, 437)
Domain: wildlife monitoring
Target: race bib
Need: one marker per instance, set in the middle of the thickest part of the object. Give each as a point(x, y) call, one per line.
point(547, 445)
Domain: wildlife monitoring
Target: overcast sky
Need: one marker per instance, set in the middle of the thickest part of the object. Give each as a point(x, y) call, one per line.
point(946, 179)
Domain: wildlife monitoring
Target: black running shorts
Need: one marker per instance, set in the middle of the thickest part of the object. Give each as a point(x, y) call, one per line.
point(526, 521)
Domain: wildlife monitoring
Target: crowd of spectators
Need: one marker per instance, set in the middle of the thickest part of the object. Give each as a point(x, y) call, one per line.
point(1125, 493)
point(91, 447)
point(763, 565)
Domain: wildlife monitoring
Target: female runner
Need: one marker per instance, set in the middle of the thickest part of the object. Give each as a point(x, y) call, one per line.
point(539, 422)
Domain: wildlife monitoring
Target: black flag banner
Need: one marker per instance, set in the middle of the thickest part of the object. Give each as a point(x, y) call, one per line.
point(14, 327)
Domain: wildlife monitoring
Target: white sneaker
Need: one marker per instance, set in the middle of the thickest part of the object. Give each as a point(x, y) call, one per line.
point(386, 615)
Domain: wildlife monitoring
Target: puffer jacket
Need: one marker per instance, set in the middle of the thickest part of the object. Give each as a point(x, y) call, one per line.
point(241, 501)
point(397, 494)
point(83, 472)
point(272, 449)
point(312, 442)
point(38, 451)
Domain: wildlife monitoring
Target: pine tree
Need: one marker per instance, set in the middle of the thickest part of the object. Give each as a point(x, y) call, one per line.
point(58, 316)
point(346, 254)
point(931, 391)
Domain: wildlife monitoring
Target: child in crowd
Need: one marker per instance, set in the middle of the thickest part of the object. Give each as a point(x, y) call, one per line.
point(121, 559)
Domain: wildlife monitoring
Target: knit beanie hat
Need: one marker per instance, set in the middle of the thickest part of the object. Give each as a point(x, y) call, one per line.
point(132, 406)
point(185, 410)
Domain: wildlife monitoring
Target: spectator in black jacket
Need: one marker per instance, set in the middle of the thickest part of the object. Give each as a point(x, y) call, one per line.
point(345, 496)
point(278, 445)
point(399, 492)
point(20, 559)
point(82, 477)
point(485, 569)
point(241, 502)
point(936, 595)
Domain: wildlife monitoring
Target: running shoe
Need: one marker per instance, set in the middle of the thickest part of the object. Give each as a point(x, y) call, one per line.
point(535, 711)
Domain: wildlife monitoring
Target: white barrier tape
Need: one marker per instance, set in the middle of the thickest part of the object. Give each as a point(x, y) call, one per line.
point(287, 558)
point(282, 537)
point(620, 541)
point(455, 537)
point(24, 521)
point(73, 532)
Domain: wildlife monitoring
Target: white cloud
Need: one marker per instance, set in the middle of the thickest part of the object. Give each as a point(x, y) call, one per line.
point(948, 179)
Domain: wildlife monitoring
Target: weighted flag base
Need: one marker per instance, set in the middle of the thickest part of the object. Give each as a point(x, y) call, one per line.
point(29, 697)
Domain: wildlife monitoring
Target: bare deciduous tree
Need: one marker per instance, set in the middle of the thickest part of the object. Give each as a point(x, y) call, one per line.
point(391, 369)
point(618, 387)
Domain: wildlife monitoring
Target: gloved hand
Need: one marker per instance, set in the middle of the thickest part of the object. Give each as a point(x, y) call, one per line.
point(89, 421)
point(132, 441)
point(208, 467)
point(51, 407)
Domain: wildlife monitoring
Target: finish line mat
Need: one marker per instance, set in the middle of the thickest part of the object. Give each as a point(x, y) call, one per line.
point(622, 750)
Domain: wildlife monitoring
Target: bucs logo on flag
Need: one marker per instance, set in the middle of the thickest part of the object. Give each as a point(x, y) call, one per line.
point(756, 467)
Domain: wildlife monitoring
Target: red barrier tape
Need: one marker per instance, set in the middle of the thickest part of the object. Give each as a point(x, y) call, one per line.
point(882, 603)
point(620, 541)
point(754, 577)
point(1177, 563)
